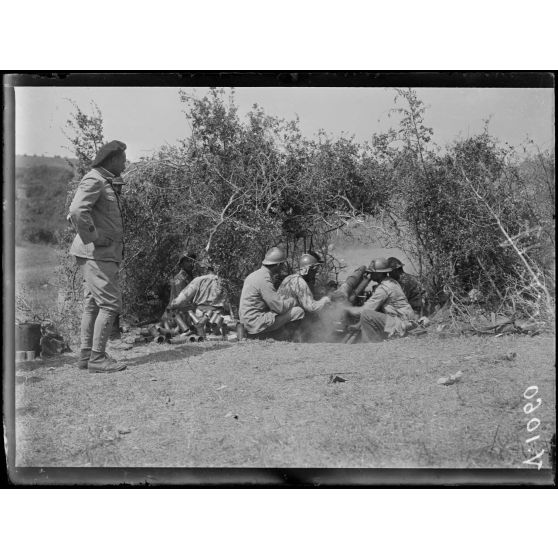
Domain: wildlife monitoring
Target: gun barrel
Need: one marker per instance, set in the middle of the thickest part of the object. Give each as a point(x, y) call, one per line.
point(360, 288)
point(351, 283)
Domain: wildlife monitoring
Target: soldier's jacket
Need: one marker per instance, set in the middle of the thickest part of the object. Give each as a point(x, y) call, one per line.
point(95, 214)
point(178, 283)
point(205, 289)
point(260, 303)
point(412, 288)
point(296, 287)
point(389, 298)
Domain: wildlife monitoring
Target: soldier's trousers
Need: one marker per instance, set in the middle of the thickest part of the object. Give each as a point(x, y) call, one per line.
point(102, 302)
point(281, 321)
point(372, 325)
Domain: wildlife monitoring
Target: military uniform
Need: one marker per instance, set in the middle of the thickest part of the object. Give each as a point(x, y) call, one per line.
point(178, 283)
point(413, 291)
point(98, 247)
point(294, 286)
point(386, 313)
point(262, 309)
point(205, 290)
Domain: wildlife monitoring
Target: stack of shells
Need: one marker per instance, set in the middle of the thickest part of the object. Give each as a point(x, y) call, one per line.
point(184, 327)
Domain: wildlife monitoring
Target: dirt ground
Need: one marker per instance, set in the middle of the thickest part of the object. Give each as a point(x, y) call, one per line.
point(271, 404)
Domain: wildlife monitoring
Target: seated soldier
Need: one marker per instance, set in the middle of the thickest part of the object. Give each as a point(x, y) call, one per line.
point(179, 282)
point(297, 286)
point(410, 284)
point(387, 312)
point(205, 293)
point(263, 312)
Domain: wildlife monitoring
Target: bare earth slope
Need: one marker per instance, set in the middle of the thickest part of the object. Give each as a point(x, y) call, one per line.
point(263, 404)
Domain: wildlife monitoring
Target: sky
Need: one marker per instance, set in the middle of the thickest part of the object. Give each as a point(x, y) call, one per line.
point(146, 118)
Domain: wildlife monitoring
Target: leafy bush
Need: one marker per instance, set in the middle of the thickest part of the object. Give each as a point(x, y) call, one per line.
point(234, 189)
point(471, 215)
point(463, 215)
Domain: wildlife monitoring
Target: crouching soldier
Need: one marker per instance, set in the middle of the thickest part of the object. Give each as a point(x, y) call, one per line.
point(387, 313)
point(410, 284)
point(297, 286)
point(98, 248)
point(263, 312)
point(204, 294)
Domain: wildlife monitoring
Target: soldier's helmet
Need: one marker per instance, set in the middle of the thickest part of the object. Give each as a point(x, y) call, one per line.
point(307, 262)
point(275, 256)
point(380, 265)
point(394, 263)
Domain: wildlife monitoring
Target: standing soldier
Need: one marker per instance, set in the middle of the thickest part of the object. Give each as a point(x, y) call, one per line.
point(262, 311)
point(98, 247)
point(410, 284)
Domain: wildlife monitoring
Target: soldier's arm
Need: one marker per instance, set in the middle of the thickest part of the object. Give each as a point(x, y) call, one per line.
point(276, 303)
point(378, 299)
point(307, 300)
point(186, 295)
point(86, 195)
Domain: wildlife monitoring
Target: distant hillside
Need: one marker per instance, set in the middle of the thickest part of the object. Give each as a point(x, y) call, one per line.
point(41, 187)
point(26, 161)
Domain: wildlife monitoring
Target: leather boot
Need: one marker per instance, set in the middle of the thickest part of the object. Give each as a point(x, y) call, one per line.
point(102, 362)
point(84, 356)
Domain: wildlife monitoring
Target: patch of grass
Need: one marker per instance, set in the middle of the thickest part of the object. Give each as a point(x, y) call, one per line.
point(263, 404)
point(37, 290)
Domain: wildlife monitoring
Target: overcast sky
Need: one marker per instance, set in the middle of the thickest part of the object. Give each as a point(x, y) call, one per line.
point(147, 117)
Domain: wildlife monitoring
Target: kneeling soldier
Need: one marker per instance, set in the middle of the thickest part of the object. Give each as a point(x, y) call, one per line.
point(387, 312)
point(410, 284)
point(264, 312)
point(297, 286)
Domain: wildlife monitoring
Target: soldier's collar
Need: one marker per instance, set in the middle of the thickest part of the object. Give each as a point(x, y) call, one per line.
point(105, 173)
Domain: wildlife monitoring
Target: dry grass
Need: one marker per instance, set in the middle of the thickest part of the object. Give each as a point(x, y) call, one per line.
point(262, 404)
point(36, 290)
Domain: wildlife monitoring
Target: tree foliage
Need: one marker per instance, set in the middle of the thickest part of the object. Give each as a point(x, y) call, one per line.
point(235, 188)
point(471, 215)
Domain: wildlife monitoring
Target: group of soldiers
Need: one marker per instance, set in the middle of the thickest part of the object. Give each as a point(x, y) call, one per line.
point(394, 300)
point(268, 307)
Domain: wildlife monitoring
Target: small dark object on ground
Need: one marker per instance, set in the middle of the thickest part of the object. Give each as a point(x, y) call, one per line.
point(335, 379)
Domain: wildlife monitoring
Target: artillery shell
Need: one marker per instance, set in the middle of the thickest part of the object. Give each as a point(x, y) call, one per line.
point(181, 323)
point(193, 317)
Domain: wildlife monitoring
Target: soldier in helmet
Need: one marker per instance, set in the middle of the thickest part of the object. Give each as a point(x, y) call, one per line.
point(387, 312)
point(410, 284)
point(264, 312)
point(297, 286)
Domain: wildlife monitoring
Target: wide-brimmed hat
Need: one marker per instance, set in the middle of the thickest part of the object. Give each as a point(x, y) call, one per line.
point(107, 150)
